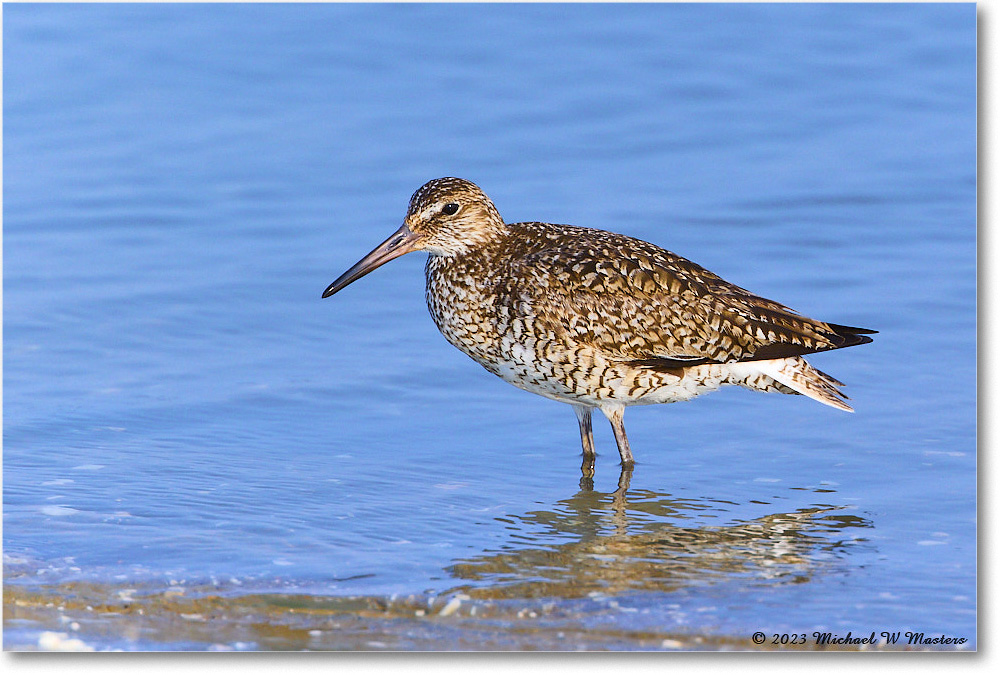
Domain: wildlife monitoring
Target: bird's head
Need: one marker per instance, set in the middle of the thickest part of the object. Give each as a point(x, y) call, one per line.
point(446, 217)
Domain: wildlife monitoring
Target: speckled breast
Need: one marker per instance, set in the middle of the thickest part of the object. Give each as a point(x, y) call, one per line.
point(461, 300)
point(464, 301)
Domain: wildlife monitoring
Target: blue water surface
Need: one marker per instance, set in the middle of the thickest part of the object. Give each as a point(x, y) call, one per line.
point(181, 182)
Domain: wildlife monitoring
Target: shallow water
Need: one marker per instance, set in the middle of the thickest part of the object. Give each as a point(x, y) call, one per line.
point(183, 414)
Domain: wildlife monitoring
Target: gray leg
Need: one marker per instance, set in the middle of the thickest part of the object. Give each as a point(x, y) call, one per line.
point(587, 438)
point(616, 416)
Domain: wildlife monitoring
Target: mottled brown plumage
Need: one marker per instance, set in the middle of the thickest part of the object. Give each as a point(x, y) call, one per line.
point(597, 319)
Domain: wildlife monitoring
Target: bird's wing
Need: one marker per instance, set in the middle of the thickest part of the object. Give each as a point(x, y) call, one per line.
point(639, 303)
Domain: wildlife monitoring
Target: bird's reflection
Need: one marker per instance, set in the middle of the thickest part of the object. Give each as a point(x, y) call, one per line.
point(629, 540)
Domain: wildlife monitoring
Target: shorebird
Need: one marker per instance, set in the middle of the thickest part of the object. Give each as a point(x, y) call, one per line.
point(597, 319)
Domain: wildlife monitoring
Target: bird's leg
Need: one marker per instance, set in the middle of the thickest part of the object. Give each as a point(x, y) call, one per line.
point(587, 437)
point(616, 415)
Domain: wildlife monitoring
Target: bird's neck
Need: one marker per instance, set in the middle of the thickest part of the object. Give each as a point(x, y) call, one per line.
point(472, 263)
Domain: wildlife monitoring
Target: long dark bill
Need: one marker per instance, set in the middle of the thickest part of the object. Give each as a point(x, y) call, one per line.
point(402, 241)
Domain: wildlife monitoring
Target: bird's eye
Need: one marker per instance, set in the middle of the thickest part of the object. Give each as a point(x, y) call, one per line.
point(450, 209)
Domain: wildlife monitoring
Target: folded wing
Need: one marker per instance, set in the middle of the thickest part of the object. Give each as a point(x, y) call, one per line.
point(636, 302)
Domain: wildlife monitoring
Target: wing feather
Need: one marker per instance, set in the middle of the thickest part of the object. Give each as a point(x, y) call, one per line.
point(637, 302)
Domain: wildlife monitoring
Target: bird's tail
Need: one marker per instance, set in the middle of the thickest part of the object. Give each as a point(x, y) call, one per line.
point(796, 374)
